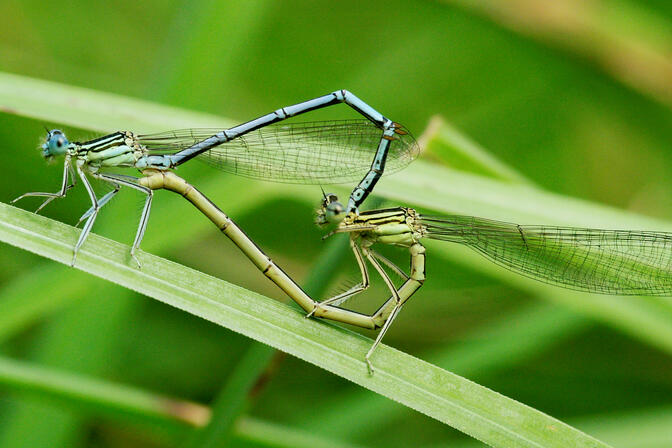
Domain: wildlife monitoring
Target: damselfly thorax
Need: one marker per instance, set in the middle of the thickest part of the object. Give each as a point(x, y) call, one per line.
point(394, 226)
point(120, 149)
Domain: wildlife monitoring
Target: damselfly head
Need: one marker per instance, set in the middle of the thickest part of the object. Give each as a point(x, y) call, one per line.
point(56, 144)
point(331, 211)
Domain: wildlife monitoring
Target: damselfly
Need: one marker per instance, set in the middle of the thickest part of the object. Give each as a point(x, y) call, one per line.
point(619, 262)
point(319, 153)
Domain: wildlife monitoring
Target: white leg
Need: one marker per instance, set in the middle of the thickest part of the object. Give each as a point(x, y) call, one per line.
point(131, 182)
point(92, 218)
point(102, 201)
point(51, 196)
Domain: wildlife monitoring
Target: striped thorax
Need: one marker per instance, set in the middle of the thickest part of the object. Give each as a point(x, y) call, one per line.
point(117, 149)
point(397, 226)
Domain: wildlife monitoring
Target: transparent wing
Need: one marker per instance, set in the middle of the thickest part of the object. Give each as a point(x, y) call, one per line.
point(603, 261)
point(325, 152)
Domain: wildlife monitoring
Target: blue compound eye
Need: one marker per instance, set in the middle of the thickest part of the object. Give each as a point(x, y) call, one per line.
point(56, 144)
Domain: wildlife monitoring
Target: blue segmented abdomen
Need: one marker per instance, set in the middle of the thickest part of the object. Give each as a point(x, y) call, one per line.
point(329, 152)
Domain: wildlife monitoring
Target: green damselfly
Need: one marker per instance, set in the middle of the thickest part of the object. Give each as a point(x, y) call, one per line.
point(619, 262)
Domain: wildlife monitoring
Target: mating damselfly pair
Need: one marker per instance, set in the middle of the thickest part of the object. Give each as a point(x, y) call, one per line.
point(601, 261)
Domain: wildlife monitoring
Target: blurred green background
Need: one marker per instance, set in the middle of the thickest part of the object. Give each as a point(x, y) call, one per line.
point(575, 96)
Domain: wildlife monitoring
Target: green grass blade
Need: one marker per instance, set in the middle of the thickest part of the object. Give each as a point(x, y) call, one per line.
point(24, 300)
point(473, 409)
point(495, 346)
point(111, 399)
point(31, 423)
point(272, 435)
point(636, 428)
point(90, 109)
point(446, 144)
point(126, 403)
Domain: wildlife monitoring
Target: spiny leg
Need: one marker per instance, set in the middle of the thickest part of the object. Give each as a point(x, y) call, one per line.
point(399, 297)
point(114, 180)
point(380, 336)
point(390, 309)
point(349, 229)
point(389, 264)
point(340, 298)
point(386, 278)
point(131, 182)
point(51, 196)
point(382, 318)
point(101, 202)
point(412, 284)
point(92, 218)
point(386, 314)
point(395, 295)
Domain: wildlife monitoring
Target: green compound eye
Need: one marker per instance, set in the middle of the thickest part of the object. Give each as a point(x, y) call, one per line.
point(335, 212)
point(331, 210)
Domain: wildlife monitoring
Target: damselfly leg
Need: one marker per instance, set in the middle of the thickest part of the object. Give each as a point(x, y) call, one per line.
point(356, 289)
point(65, 186)
point(132, 182)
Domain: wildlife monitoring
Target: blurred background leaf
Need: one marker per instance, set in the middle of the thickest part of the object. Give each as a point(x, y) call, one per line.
point(575, 102)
